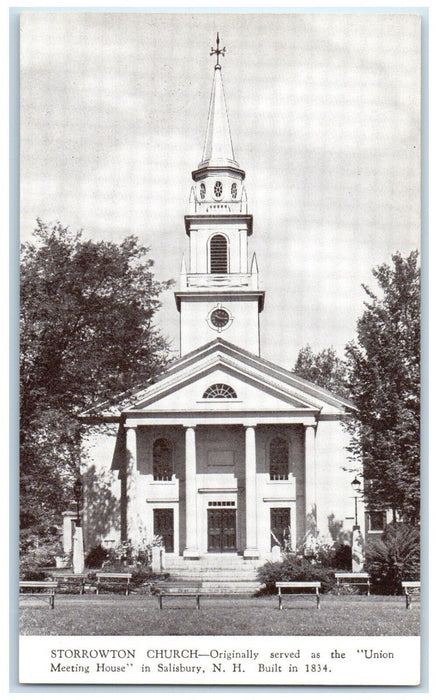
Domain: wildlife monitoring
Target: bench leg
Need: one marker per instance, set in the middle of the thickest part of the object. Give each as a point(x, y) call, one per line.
point(161, 601)
point(338, 588)
point(408, 601)
point(368, 588)
point(280, 604)
point(318, 601)
point(127, 590)
point(198, 600)
point(97, 589)
point(52, 600)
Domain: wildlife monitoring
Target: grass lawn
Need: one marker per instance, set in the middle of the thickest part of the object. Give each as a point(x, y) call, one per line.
point(115, 614)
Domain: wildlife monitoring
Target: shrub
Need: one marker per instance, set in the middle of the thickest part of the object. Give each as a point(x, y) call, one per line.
point(127, 553)
point(323, 550)
point(36, 558)
point(342, 557)
point(143, 574)
point(394, 558)
point(96, 556)
point(295, 568)
point(318, 549)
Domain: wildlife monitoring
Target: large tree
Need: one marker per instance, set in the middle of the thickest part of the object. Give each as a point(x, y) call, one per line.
point(324, 368)
point(384, 376)
point(87, 333)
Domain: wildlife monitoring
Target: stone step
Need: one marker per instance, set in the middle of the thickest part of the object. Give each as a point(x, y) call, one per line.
point(210, 565)
point(233, 575)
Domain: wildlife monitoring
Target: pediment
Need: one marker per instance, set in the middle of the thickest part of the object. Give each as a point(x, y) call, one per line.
point(258, 385)
point(251, 393)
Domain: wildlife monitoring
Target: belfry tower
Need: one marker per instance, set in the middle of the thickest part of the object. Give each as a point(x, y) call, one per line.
point(219, 291)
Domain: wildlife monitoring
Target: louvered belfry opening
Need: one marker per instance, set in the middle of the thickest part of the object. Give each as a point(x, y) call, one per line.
point(219, 255)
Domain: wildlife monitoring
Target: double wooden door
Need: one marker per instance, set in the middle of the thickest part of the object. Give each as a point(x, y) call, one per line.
point(221, 529)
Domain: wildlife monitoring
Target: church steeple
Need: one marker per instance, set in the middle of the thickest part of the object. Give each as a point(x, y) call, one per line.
point(218, 154)
point(218, 146)
point(219, 294)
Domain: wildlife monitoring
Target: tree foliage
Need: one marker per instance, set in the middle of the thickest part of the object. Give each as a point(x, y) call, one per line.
point(87, 333)
point(393, 558)
point(384, 376)
point(324, 368)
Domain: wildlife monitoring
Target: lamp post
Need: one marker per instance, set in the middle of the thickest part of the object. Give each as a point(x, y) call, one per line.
point(356, 488)
point(78, 490)
point(357, 554)
point(78, 541)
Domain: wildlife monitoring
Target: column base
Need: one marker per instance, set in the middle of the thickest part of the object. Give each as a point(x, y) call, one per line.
point(190, 554)
point(251, 554)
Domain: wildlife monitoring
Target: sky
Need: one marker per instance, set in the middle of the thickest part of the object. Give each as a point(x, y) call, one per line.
point(324, 111)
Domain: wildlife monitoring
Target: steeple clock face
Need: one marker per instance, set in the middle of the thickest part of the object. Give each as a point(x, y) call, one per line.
point(219, 318)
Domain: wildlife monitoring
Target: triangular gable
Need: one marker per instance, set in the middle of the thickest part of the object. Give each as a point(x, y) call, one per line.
point(253, 391)
point(264, 376)
point(235, 362)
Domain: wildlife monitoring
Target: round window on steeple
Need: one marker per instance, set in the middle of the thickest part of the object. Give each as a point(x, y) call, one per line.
point(202, 191)
point(234, 191)
point(218, 189)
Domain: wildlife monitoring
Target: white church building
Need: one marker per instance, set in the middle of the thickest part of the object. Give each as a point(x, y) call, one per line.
point(226, 453)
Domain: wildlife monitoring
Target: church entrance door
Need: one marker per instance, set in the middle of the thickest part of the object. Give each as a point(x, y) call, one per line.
point(280, 526)
point(221, 530)
point(163, 525)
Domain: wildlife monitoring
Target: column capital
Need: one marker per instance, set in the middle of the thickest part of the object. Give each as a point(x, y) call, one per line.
point(190, 424)
point(250, 424)
point(313, 425)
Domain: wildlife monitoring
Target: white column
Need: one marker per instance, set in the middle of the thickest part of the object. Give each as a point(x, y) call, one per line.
point(250, 551)
point(191, 549)
point(68, 517)
point(357, 550)
point(132, 515)
point(78, 551)
point(310, 480)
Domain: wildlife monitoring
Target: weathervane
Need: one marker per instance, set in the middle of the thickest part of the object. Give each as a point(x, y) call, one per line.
point(217, 51)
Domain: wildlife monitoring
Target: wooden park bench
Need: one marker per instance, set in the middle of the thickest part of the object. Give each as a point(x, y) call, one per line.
point(106, 578)
point(70, 581)
point(410, 587)
point(299, 586)
point(191, 589)
point(39, 589)
point(352, 579)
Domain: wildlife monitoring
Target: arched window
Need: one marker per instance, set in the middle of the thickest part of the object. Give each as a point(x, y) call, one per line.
point(278, 459)
point(202, 191)
point(162, 460)
point(219, 254)
point(234, 190)
point(219, 391)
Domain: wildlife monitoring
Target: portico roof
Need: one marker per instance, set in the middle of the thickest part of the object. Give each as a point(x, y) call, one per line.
point(262, 388)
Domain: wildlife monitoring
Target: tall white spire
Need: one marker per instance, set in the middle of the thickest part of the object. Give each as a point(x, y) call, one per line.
point(218, 147)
